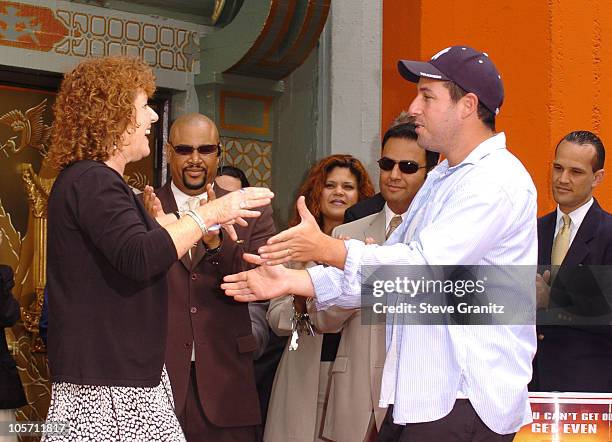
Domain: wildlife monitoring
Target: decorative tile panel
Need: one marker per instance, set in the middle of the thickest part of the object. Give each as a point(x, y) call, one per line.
point(69, 29)
point(252, 156)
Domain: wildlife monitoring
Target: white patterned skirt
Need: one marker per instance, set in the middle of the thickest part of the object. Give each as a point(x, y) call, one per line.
point(102, 413)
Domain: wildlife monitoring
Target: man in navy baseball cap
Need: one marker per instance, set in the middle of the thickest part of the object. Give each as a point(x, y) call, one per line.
point(459, 94)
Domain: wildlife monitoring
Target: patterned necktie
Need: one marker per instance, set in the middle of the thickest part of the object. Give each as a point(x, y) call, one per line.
point(193, 202)
point(561, 243)
point(393, 224)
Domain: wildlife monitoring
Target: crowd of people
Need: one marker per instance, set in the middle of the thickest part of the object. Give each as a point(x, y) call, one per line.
point(181, 313)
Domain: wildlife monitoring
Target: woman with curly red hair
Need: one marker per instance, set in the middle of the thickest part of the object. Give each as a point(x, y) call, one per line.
point(107, 260)
point(301, 384)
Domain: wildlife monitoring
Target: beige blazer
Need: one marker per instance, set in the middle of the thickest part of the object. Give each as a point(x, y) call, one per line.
point(292, 411)
point(357, 370)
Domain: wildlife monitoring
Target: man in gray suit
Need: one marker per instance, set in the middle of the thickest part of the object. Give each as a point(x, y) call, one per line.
point(353, 413)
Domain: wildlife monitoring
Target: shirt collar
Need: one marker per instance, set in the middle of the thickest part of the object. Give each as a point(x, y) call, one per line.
point(496, 142)
point(577, 215)
point(181, 197)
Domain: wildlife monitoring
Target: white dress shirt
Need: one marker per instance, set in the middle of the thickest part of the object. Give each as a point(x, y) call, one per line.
point(479, 212)
point(387, 391)
point(577, 216)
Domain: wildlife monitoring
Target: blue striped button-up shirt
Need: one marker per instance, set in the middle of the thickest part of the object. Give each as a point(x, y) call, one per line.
point(479, 212)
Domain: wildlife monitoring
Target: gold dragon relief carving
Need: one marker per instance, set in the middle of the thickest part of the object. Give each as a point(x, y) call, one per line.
point(137, 180)
point(34, 133)
point(27, 255)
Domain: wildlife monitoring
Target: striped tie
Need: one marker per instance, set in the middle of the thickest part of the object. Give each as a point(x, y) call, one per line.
point(193, 202)
point(393, 224)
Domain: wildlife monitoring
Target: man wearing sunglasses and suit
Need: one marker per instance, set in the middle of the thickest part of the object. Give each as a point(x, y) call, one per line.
point(210, 341)
point(352, 412)
point(398, 185)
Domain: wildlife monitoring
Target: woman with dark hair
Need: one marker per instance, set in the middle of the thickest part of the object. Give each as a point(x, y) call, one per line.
point(301, 384)
point(107, 260)
point(231, 178)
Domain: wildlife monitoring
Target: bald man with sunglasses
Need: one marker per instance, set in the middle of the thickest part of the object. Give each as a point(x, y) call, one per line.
point(209, 352)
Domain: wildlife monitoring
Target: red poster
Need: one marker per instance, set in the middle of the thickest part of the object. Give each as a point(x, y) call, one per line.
point(569, 417)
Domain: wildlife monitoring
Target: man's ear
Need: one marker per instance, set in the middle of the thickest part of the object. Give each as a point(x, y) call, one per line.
point(597, 178)
point(469, 104)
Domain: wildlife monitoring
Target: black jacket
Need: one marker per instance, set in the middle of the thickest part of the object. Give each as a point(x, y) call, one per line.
point(573, 355)
point(11, 391)
point(106, 278)
point(364, 208)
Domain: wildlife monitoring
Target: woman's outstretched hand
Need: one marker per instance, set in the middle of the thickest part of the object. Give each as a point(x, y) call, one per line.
point(234, 207)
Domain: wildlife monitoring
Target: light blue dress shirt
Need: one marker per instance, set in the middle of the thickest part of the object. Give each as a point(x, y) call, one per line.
point(482, 211)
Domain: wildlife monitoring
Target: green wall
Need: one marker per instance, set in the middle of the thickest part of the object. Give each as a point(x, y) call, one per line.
point(295, 140)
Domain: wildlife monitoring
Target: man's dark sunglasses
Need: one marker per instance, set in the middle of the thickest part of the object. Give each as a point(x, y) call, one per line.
point(204, 149)
point(405, 166)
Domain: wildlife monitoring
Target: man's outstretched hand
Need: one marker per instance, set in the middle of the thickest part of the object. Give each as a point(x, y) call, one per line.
point(266, 282)
point(303, 243)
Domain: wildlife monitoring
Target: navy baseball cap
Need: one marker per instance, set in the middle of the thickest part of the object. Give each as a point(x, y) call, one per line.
point(471, 70)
